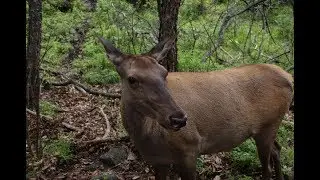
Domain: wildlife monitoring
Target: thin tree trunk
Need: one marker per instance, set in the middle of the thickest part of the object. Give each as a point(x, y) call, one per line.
point(32, 58)
point(168, 14)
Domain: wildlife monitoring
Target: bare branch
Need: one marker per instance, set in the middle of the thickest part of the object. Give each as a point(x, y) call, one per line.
point(42, 116)
point(87, 89)
point(275, 59)
point(94, 92)
point(265, 22)
point(247, 8)
point(225, 24)
point(260, 49)
point(152, 29)
point(194, 37)
point(46, 49)
point(249, 33)
point(80, 90)
point(60, 83)
point(69, 126)
point(108, 128)
point(215, 27)
point(227, 53)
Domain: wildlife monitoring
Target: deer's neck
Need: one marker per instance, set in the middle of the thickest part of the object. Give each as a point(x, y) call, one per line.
point(133, 120)
point(148, 136)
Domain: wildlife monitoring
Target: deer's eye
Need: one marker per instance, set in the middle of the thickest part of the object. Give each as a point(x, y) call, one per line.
point(132, 80)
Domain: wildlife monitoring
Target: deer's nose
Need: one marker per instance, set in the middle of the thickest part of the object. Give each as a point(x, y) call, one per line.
point(178, 120)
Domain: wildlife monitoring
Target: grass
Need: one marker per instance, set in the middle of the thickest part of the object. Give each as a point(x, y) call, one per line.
point(200, 164)
point(245, 157)
point(130, 31)
point(47, 108)
point(60, 148)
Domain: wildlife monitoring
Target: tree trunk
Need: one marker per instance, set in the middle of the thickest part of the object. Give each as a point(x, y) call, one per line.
point(32, 59)
point(168, 14)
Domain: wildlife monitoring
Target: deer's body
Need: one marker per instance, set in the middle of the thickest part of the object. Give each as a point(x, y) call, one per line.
point(223, 108)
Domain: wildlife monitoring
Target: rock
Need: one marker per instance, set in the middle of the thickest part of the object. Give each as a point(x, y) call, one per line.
point(109, 176)
point(92, 167)
point(131, 156)
point(146, 170)
point(114, 156)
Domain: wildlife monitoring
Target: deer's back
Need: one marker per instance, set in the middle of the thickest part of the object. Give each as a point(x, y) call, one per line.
point(226, 107)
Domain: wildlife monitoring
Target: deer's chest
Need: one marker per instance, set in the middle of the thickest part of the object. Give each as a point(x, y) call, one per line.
point(152, 145)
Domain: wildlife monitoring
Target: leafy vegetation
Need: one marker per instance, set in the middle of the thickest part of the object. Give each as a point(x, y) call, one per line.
point(60, 148)
point(47, 108)
point(246, 40)
point(245, 157)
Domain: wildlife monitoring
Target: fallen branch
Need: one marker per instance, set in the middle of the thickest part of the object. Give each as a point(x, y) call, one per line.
point(107, 131)
point(37, 163)
point(60, 83)
point(41, 115)
point(79, 85)
point(69, 126)
point(83, 88)
point(91, 91)
point(106, 138)
point(80, 89)
point(61, 110)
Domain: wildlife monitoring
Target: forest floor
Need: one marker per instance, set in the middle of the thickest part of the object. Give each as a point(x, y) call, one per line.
point(79, 118)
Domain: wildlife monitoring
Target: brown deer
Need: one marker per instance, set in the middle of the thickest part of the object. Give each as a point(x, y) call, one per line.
point(174, 117)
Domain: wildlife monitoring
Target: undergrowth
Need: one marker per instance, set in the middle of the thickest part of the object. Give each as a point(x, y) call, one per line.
point(61, 148)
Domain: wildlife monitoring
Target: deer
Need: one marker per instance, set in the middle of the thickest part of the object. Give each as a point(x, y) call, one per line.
point(174, 117)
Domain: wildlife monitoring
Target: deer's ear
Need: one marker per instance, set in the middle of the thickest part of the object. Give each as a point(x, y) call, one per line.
point(160, 51)
point(114, 54)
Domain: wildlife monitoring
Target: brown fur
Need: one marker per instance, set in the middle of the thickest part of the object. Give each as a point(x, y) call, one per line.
point(223, 108)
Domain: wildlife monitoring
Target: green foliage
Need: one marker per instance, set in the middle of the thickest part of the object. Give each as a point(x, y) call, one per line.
point(200, 164)
point(245, 41)
point(285, 139)
point(190, 62)
point(47, 108)
point(245, 158)
point(97, 71)
point(60, 148)
point(199, 23)
point(101, 77)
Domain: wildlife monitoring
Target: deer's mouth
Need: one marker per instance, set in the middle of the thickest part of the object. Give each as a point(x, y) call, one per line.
point(178, 120)
point(174, 126)
point(178, 126)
